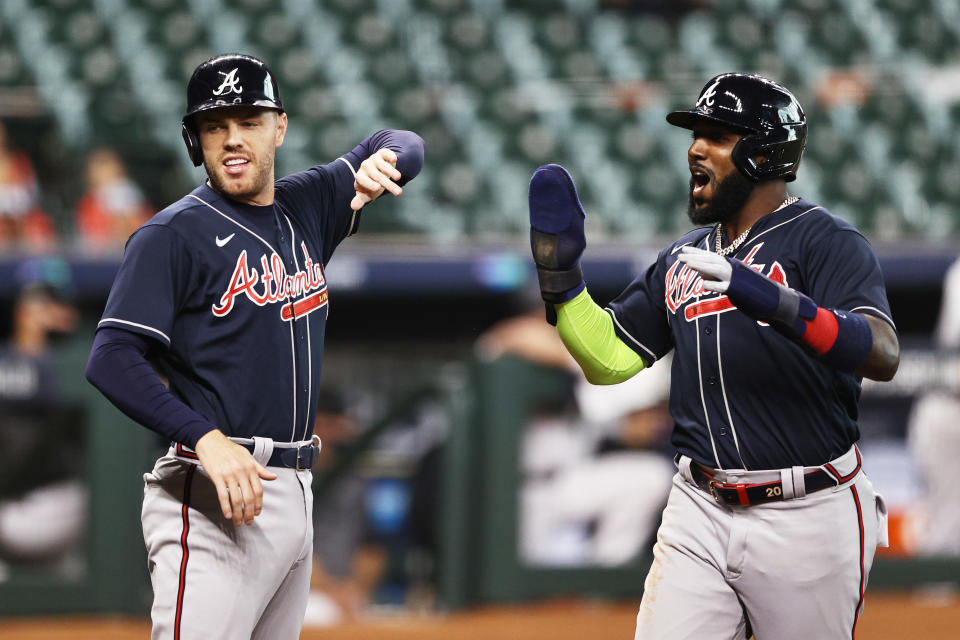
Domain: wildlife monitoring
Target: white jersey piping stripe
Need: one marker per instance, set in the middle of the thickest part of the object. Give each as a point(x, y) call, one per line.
point(248, 230)
point(703, 399)
point(347, 162)
point(635, 341)
point(761, 234)
point(137, 324)
point(293, 345)
point(876, 311)
point(726, 402)
point(296, 261)
point(353, 218)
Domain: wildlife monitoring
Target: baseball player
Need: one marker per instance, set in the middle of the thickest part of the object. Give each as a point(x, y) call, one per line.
point(224, 293)
point(775, 309)
point(933, 435)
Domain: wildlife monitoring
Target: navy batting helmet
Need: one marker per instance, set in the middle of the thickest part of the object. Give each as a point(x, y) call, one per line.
point(769, 116)
point(230, 80)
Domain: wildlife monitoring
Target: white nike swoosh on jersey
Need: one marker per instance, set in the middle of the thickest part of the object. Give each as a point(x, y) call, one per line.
point(675, 249)
point(222, 242)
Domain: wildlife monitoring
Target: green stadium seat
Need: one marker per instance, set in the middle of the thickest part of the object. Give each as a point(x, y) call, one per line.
point(497, 87)
point(101, 67)
point(468, 33)
point(178, 30)
point(559, 34)
point(333, 138)
point(13, 72)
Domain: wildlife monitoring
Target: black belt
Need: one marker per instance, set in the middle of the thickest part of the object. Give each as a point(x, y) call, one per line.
point(747, 494)
point(299, 458)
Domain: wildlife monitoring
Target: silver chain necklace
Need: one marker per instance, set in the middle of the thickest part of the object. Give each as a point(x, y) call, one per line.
point(733, 246)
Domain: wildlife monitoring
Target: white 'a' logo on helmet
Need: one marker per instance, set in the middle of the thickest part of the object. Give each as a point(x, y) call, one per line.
point(707, 96)
point(231, 83)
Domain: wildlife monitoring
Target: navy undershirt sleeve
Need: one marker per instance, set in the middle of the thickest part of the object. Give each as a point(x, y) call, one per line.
point(118, 367)
point(322, 194)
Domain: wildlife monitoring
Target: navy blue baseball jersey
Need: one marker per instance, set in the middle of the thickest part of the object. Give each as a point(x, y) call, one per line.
point(743, 396)
point(238, 296)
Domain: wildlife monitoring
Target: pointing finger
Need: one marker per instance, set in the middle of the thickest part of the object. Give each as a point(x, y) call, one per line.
point(388, 184)
point(386, 167)
point(365, 182)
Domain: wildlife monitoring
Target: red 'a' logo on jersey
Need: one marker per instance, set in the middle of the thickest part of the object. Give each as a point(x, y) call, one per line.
point(684, 284)
point(303, 291)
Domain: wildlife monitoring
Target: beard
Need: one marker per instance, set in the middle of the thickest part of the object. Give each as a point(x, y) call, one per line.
point(731, 194)
point(258, 181)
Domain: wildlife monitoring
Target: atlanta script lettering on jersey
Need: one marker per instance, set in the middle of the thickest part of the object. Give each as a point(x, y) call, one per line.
point(683, 284)
point(304, 291)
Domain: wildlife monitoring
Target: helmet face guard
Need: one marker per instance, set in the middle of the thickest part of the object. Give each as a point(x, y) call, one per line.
point(771, 120)
point(231, 80)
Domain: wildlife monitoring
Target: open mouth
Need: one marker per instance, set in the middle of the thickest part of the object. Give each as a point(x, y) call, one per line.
point(235, 166)
point(699, 179)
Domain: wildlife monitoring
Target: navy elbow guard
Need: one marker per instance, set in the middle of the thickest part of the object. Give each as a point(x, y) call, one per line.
point(841, 339)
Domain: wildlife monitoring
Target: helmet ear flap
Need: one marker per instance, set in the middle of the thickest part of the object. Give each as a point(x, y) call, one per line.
point(742, 156)
point(780, 157)
point(194, 149)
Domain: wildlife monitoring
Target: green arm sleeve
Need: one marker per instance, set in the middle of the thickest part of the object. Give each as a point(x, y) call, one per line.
point(587, 331)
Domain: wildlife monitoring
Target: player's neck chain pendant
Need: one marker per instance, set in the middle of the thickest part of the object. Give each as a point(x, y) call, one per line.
point(733, 246)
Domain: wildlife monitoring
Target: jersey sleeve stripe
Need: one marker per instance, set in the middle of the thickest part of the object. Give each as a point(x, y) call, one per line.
point(347, 162)
point(874, 312)
point(353, 220)
point(653, 357)
point(165, 337)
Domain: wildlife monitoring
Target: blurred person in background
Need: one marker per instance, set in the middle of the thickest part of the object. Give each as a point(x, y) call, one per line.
point(42, 498)
point(603, 507)
point(933, 435)
point(24, 225)
point(112, 207)
point(584, 468)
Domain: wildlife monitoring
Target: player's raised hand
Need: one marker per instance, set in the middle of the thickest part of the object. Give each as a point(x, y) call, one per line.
point(556, 233)
point(377, 174)
point(715, 269)
point(235, 474)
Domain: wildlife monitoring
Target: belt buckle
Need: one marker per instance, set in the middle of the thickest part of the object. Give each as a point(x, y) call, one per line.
point(313, 449)
point(306, 461)
point(713, 491)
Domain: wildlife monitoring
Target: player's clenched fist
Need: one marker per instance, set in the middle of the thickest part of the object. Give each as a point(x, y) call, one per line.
point(376, 174)
point(235, 474)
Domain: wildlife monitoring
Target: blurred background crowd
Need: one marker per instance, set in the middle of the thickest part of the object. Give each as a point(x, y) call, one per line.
point(465, 459)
